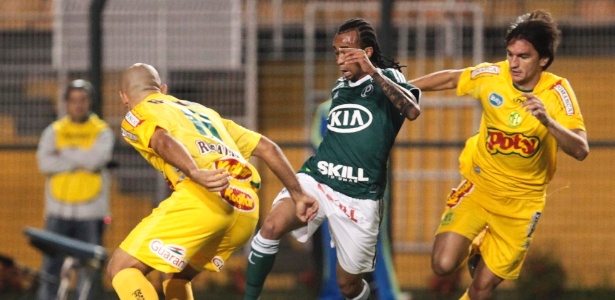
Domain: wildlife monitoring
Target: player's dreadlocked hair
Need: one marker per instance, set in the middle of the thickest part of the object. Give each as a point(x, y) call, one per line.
point(540, 30)
point(367, 37)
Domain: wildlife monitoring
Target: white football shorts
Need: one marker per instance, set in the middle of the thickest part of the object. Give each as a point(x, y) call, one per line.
point(353, 224)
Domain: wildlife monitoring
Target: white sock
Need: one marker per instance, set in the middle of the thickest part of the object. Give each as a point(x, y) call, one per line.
point(263, 245)
point(364, 295)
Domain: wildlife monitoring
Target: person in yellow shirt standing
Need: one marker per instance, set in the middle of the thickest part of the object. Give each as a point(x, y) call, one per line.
point(528, 113)
point(74, 152)
point(214, 207)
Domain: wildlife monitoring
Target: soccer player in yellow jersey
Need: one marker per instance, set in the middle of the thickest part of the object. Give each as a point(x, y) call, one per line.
point(214, 207)
point(527, 114)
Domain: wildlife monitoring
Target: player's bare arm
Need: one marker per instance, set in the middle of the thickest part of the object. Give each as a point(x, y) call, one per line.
point(438, 81)
point(399, 96)
point(175, 154)
point(572, 142)
point(270, 152)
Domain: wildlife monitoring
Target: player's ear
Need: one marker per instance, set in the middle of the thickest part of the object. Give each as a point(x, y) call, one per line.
point(163, 89)
point(369, 51)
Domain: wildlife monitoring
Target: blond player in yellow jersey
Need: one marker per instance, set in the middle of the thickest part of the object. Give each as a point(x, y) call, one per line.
point(528, 114)
point(214, 207)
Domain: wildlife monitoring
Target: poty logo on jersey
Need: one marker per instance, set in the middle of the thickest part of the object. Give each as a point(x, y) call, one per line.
point(132, 119)
point(516, 143)
point(566, 101)
point(495, 100)
point(367, 91)
point(218, 262)
point(341, 172)
point(348, 118)
point(172, 254)
point(489, 70)
point(238, 198)
point(237, 169)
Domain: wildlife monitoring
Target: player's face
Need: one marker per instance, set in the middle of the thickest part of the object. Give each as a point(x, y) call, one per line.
point(348, 39)
point(78, 105)
point(525, 64)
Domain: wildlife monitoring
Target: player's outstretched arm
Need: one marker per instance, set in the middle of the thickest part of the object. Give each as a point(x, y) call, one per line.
point(270, 152)
point(175, 154)
point(438, 81)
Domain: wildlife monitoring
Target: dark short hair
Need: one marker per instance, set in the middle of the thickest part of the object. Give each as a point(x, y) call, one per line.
point(79, 84)
point(539, 29)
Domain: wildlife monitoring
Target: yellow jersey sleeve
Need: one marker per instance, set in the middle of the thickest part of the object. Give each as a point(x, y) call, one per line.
point(567, 112)
point(471, 79)
point(245, 139)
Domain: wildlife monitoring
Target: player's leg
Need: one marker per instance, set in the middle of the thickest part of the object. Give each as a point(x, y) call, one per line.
point(383, 281)
point(449, 251)
point(128, 277)
point(355, 241)
point(352, 286)
point(328, 287)
point(178, 286)
point(462, 220)
point(505, 244)
point(280, 220)
point(483, 283)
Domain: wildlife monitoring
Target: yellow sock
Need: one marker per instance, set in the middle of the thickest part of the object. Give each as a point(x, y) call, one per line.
point(177, 289)
point(465, 296)
point(131, 284)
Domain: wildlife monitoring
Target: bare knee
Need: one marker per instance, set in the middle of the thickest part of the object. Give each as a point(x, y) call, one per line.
point(122, 260)
point(272, 230)
point(280, 220)
point(443, 266)
point(449, 252)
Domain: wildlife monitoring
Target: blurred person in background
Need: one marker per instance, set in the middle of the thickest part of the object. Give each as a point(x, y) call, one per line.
point(73, 152)
point(370, 102)
point(214, 206)
point(528, 113)
point(383, 280)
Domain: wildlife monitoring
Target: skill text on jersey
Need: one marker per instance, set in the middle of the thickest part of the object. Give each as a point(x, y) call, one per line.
point(341, 172)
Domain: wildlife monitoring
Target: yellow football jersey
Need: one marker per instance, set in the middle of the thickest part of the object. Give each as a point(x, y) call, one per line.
point(513, 151)
point(213, 142)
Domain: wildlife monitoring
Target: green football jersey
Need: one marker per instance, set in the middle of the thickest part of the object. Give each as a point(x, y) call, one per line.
point(361, 128)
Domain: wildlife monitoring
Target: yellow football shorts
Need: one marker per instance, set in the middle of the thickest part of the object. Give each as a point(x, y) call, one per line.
point(195, 227)
point(511, 223)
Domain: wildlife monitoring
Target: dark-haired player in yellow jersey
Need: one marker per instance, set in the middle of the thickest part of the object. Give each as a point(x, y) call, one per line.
point(214, 207)
point(528, 113)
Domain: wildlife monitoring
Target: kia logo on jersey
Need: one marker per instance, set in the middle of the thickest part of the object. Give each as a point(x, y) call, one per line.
point(349, 118)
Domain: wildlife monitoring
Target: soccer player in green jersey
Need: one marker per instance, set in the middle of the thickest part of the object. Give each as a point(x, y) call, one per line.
point(370, 102)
